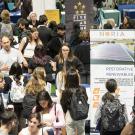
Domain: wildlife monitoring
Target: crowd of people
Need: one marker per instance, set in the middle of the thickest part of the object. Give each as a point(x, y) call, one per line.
point(34, 56)
point(125, 21)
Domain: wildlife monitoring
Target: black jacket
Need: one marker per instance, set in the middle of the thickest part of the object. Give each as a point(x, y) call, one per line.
point(44, 34)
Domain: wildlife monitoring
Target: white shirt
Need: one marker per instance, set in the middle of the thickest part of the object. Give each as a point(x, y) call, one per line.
point(10, 57)
point(25, 131)
point(47, 118)
point(29, 50)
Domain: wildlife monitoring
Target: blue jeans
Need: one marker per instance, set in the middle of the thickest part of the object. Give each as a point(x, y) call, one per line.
point(50, 132)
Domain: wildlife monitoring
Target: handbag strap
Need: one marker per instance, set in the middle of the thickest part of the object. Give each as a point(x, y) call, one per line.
point(55, 108)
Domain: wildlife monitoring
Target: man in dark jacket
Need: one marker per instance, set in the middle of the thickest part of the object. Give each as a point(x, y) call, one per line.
point(44, 32)
point(55, 44)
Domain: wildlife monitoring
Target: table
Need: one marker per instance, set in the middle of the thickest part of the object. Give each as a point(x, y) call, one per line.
point(107, 14)
point(129, 12)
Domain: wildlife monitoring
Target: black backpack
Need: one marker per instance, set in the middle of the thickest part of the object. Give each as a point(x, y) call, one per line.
point(112, 116)
point(29, 102)
point(78, 107)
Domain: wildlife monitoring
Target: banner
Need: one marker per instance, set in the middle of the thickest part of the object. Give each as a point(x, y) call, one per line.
point(53, 15)
point(106, 35)
point(78, 11)
point(111, 57)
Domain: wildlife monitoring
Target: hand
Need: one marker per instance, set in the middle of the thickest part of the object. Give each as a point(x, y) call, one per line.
point(2, 84)
point(47, 124)
point(53, 64)
point(25, 63)
point(5, 67)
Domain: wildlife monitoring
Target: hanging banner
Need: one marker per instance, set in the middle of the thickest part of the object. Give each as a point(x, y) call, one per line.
point(78, 11)
point(113, 58)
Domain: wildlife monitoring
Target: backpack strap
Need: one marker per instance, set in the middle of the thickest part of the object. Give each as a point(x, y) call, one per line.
point(26, 43)
point(55, 108)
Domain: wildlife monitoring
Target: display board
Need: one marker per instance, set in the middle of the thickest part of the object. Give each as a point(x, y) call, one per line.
point(112, 56)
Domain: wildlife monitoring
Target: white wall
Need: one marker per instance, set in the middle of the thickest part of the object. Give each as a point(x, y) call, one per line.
point(39, 6)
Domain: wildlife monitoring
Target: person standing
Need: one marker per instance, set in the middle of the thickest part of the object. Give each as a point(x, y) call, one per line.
point(72, 86)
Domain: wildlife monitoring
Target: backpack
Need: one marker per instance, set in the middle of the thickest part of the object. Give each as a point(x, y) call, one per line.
point(112, 116)
point(17, 91)
point(6, 29)
point(78, 106)
point(29, 102)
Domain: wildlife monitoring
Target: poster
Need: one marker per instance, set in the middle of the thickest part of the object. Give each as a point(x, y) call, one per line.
point(112, 56)
point(53, 15)
point(78, 11)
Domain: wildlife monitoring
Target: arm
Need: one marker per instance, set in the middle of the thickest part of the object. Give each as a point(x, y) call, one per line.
point(45, 133)
point(53, 64)
point(21, 59)
point(22, 43)
point(30, 66)
point(25, 63)
point(97, 114)
point(127, 129)
point(79, 65)
point(20, 133)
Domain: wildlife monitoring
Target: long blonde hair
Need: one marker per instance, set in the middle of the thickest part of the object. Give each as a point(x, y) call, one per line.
point(37, 82)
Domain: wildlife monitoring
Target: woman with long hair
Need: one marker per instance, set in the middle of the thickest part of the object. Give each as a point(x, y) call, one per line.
point(37, 81)
point(28, 44)
point(52, 116)
point(66, 56)
point(72, 85)
point(33, 128)
point(61, 79)
point(33, 87)
point(129, 129)
point(126, 23)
